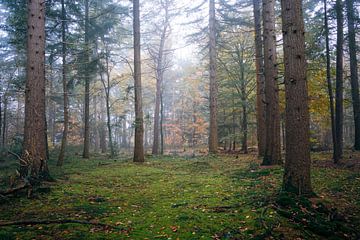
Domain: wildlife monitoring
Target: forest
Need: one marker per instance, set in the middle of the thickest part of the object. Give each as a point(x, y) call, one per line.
point(179, 119)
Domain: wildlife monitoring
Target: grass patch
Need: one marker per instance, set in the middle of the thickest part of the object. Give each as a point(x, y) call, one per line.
point(168, 197)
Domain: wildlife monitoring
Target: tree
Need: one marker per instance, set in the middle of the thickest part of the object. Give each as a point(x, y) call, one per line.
point(354, 78)
point(107, 88)
point(273, 149)
point(213, 130)
point(139, 120)
point(260, 81)
point(339, 98)
point(328, 77)
point(34, 146)
point(159, 55)
point(297, 160)
point(64, 84)
point(86, 150)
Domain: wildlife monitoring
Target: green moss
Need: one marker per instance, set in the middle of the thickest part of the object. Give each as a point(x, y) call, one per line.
point(174, 197)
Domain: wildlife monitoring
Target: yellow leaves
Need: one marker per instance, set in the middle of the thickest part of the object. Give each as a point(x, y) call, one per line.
point(318, 97)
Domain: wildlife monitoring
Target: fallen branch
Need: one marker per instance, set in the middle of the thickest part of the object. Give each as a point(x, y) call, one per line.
point(59, 221)
point(14, 190)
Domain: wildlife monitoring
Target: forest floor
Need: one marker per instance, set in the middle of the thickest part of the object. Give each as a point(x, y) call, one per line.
point(223, 197)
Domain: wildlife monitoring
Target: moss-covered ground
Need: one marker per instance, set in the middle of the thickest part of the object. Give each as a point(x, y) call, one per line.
point(223, 197)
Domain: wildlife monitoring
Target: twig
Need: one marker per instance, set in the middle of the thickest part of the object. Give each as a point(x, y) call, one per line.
point(14, 154)
point(23, 163)
point(59, 221)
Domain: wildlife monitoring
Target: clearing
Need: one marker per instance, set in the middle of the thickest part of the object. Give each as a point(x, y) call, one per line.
point(223, 197)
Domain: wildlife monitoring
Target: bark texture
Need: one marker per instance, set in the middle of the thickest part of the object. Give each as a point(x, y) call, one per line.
point(86, 152)
point(260, 81)
point(272, 154)
point(139, 120)
point(354, 79)
point(339, 96)
point(297, 160)
point(213, 129)
point(34, 148)
point(328, 76)
point(64, 83)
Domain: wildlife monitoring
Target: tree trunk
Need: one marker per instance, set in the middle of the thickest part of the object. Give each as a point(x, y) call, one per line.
point(102, 127)
point(64, 83)
point(1, 143)
point(96, 124)
point(245, 116)
point(213, 129)
point(161, 123)
point(139, 119)
point(354, 80)
point(124, 134)
point(86, 152)
point(51, 105)
point(339, 109)
point(233, 121)
point(260, 81)
point(297, 160)
point(4, 126)
point(273, 147)
point(155, 147)
point(328, 78)
point(159, 78)
point(34, 148)
point(107, 100)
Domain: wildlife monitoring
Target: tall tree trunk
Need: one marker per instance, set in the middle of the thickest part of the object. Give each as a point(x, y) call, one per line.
point(354, 80)
point(124, 134)
point(260, 81)
point(96, 124)
point(18, 115)
point(161, 123)
point(233, 121)
point(86, 152)
point(34, 148)
point(213, 129)
point(328, 77)
point(64, 83)
point(107, 101)
point(139, 119)
point(245, 130)
point(273, 147)
point(155, 147)
point(244, 123)
point(4, 126)
point(160, 76)
point(51, 105)
point(102, 127)
point(339, 109)
point(297, 160)
point(1, 143)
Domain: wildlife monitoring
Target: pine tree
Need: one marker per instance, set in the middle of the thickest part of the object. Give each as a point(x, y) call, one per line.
point(297, 119)
point(139, 120)
point(34, 147)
